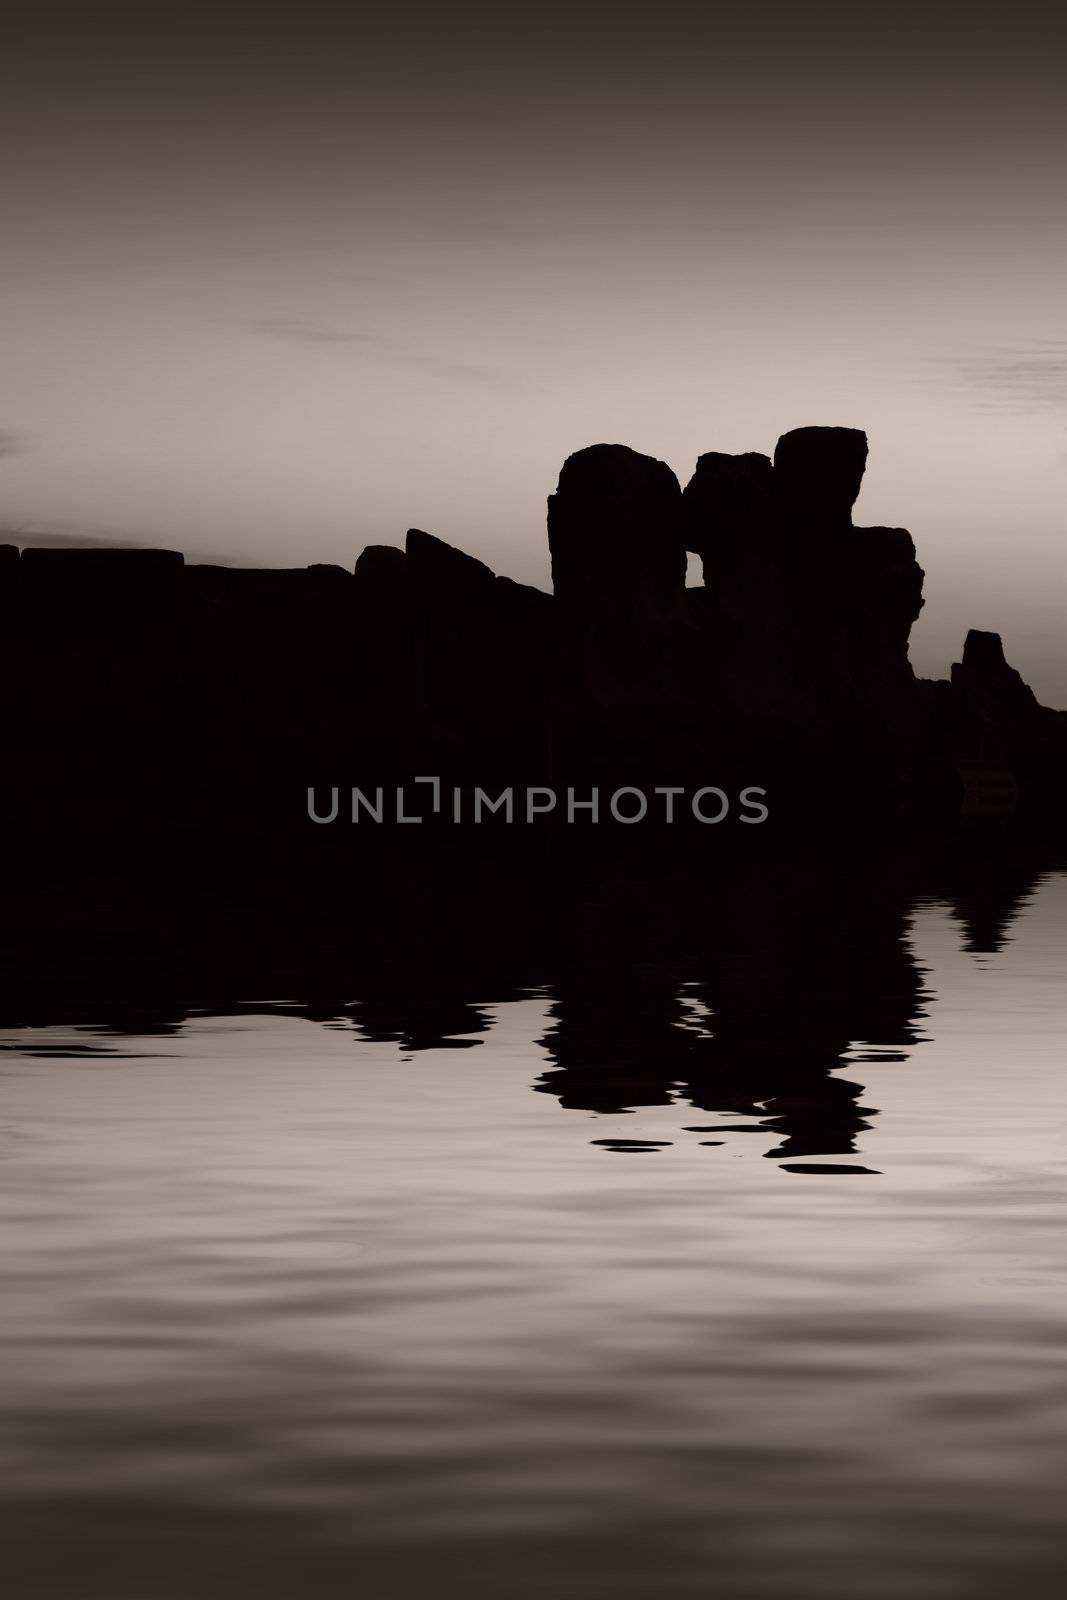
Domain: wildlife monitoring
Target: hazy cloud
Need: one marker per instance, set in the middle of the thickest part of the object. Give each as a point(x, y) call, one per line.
point(31, 539)
point(463, 371)
point(463, 230)
point(300, 330)
point(1028, 376)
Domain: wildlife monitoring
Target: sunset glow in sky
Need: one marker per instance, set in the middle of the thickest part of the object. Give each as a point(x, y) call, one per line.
point(281, 280)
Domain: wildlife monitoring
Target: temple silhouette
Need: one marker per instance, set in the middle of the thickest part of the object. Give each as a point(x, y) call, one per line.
point(147, 696)
point(166, 720)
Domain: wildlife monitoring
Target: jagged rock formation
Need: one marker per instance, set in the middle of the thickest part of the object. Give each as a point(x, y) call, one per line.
point(988, 686)
point(628, 667)
point(139, 676)
point(746, 609)
point(997, 717)
point(818, 472)
point(450, 657)
point(615, 530)
point(809, 616)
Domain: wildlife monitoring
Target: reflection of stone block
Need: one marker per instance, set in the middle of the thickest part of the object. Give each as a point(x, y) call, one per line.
point(989, 791)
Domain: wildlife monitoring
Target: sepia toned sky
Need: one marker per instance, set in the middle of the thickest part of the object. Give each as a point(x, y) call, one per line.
point(282, 279)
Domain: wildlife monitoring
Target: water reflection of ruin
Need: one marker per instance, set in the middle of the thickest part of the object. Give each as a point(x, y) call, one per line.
point(776, 977)
point(750, 989)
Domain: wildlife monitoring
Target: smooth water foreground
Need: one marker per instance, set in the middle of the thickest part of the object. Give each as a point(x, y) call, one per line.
point(289, 1310)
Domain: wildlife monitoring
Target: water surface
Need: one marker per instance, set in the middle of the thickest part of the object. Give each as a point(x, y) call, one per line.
point(641, 1283)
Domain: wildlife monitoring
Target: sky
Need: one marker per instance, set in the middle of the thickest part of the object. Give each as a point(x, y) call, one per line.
point(281, 280)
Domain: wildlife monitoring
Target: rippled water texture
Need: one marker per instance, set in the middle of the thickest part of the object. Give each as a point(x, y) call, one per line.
point(611, 1302)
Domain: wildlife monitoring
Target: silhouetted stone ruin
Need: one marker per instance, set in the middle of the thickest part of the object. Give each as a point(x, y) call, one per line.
point(615, 531)
point(142, 691)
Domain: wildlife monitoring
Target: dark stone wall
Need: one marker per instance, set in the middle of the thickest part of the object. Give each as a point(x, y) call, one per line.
point(139, 689)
